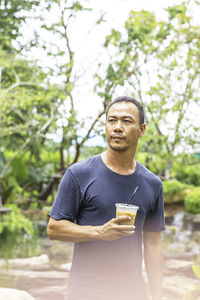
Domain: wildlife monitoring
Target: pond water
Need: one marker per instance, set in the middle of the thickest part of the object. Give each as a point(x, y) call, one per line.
point(181, 243)
point(182, 234)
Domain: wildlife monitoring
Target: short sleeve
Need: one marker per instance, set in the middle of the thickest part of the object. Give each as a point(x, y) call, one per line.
point(155, 220)
point(67, 202)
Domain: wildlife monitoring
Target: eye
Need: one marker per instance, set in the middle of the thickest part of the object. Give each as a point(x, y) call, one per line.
point(127, 121)
point(111, 120)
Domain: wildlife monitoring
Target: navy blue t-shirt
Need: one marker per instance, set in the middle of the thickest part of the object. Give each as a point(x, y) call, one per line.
point(87, 195)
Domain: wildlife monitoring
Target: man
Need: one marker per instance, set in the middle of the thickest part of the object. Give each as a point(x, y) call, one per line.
point(107, 260)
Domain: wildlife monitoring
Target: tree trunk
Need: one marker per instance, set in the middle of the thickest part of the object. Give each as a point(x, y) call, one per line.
point(62, 159)
point(168, 169)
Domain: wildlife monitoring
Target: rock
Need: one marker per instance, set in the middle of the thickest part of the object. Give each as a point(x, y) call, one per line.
point(60, 252)
point(196, 218)
point(180, 256)
point(66, 267)
point(45, 211)
point(177, 198)
point(178, 285)
point(172, 209)
point(37, 214)
point(192, 218)
point(182, 267)
point(49, 292)
point(178, 264)
point(30, 262)
point(14, 294)
point(35, 274)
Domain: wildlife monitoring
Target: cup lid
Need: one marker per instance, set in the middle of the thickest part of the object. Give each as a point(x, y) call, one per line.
point(124, 205)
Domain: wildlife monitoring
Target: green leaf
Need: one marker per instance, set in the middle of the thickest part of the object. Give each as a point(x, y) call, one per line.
point(196, 270)
point(20, 170)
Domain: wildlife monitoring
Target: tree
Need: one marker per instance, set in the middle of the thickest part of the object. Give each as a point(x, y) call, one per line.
point(158, 61)
point(20, 93)
point(40, 133)
point(12, 16)
point(35, 110)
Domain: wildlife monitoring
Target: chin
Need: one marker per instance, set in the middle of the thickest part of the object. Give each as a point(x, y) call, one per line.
point(118, 148)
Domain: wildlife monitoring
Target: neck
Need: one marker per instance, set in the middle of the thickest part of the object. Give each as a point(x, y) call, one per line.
point(119, 162)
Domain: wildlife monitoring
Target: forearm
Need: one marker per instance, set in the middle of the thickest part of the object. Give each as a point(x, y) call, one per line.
point(154, 266)
point(64, 230)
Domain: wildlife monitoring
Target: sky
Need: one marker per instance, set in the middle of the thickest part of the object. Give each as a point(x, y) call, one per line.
point(89, 46)
point(87, 41)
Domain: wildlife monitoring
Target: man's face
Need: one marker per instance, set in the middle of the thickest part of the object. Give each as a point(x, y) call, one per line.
point(123, 126)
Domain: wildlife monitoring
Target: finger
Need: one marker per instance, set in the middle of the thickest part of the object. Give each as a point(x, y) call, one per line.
point(129, 232)
point(125, 227)
point(122, 218)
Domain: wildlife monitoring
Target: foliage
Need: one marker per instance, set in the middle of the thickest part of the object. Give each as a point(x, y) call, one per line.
point(196, 270)
point(38, 116)
point(186, 168)
point(90, 151)
point(154, 161)
point(175, 191)
point(194, 292)
point(40, 133)
point(157, 62)
point(192, 200)
point(14, 223)
point(12, 15)
point(17, 236)
point(173, 186)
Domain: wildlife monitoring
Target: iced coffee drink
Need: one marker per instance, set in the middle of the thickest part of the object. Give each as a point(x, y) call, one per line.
point(123, 209)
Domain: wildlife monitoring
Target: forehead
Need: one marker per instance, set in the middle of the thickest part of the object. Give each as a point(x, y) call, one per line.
point(122, 109)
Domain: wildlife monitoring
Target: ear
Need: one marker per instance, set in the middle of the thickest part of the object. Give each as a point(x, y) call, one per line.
point(142, 130)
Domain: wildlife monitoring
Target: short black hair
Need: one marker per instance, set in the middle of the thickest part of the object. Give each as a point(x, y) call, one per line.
point(128, 99)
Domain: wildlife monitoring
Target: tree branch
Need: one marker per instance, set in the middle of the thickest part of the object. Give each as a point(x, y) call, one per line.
point(17, 84)
point(181, 112)
point(78, 145)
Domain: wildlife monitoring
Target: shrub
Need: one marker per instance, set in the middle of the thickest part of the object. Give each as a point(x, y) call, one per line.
point(175, 191)
point(192, 201)
point(186, 173)
point(194, 291)
point(15, 232)
point(15, 222)
point(173, 186)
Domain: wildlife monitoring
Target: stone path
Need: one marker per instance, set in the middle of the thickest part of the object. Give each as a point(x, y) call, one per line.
point(45, 277)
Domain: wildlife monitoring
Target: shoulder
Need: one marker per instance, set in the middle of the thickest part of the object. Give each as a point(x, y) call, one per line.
point(84, 172)
point(84, 166)
point(149, 176)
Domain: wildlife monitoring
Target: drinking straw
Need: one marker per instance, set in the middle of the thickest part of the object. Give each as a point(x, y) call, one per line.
point(135, 190)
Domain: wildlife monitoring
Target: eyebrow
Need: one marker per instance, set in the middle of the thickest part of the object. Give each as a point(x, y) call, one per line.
point(124, 117)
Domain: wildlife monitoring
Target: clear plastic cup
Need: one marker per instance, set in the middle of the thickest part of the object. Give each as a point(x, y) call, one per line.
point(130, 210)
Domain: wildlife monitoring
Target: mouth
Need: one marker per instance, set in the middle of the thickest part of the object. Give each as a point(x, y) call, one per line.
point(117, 137)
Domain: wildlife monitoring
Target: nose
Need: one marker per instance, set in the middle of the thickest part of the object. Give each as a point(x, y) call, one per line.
point(118, 126)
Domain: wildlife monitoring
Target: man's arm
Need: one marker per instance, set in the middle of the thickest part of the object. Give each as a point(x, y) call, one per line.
point(64, 230)
point(153, 262)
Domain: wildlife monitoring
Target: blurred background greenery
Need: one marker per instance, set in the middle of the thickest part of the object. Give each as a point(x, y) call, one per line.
point(152, 59)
